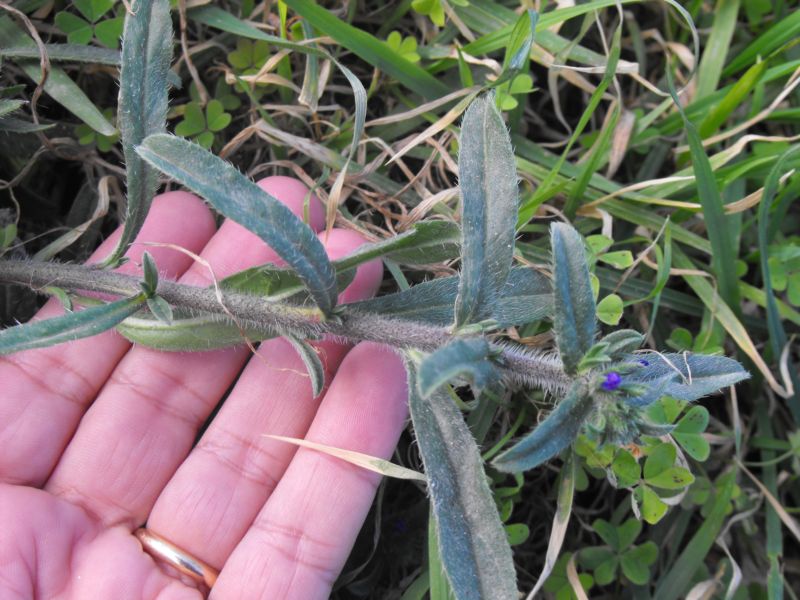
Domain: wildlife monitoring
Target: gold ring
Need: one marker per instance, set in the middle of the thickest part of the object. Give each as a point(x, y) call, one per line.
point(166, 551)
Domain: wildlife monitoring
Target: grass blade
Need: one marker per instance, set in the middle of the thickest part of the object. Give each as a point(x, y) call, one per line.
point(472, 542)
point(143, 86)
point(777, 333)
point(241, 200)
point(72, 326)
point(488, 181)
point(368, 48)
point(719, 226)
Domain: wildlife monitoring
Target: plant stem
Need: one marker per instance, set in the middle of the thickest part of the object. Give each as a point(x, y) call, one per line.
point(519, 364)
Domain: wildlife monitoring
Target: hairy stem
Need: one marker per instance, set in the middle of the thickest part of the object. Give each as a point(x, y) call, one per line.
point(520, 365)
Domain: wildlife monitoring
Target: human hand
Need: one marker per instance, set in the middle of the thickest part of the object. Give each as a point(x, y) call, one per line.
point(97, 437)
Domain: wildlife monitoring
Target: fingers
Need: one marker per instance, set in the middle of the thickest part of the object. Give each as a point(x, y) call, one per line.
point(46, 391)
point(211, 501)
point(146, 418)
point(300, 540)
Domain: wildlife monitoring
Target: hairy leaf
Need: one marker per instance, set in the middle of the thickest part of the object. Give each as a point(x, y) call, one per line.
point(472, 542)
point(72, 326)
point(241, 200)
point(526, 297)
point(461, 357)
point(187, 333)
point(488, 182)
point(693, 375)
point(575, 324)
point(143, 85)
point(550, 437)
point(311, 360)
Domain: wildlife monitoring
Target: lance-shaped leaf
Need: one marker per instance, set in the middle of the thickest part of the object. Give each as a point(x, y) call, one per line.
point(72, 326)
point(526, 297)
point(188, 333)
point(489, 202)
point(554, 434)
point(436, 241)
point(473, 545)
point(693, 375)
point(277, 283)
point(574, 309)
point(143, 85)
point(241, 200)
point(311, 360)
point(461, 357)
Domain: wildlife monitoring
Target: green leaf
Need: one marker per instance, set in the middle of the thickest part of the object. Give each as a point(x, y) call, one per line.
point(58, 86)
point(431, 9)
point(150, 272)
point(109, 31)
point(693, 375)
point(636, 561)
point(607, 533)
point(93, 9)
point(719, 226)
point(9, 106)
point(623, 341)
point(609, 309)
point(525, 298)
point(519, 44)
point(311, 359)
point(626, 469)
point(368, 48)
point(72, 326)
point(628, 532)
point(673, 478)
point(575, 323)
point(146, 55)
point(606, 572)
point(675, 583)
point(194, 121)
point(187, 333)
point(518, 533)
point(661, 458)
point(474, 548)
point(78, 31)
point(653, 509)
point(619, 260)
point(437, 241)
point(241, 200)
point(160, 308)
point(461, 357)
point(216, 117)
point(551, 436)
point(488, 182)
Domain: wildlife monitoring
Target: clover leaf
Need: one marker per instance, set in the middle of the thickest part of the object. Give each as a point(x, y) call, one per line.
point(619, 553)
point(559, 585)
point(404, 47)
point(81, 30)
point(201, 125)
point(87, 136)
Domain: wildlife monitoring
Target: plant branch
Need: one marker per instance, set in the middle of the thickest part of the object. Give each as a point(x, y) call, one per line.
point(519, 364)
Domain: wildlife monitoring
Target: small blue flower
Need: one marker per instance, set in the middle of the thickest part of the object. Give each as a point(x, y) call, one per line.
point(612, 382)
point(643, 362)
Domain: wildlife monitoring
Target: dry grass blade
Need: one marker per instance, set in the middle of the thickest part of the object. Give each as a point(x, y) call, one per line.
point(365, 461)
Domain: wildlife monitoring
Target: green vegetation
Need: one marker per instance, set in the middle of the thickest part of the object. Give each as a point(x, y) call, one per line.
point(655, 148)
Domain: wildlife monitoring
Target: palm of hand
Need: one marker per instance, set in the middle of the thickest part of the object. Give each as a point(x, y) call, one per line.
point(107, 433)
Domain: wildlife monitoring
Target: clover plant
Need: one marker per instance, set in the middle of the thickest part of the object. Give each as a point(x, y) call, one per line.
point(449, 330)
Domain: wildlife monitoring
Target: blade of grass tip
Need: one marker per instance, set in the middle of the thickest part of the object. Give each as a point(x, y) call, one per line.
point(676, 581)
point(777, 334)
point(726, 317)
point(723, 254)
point(241, 200)
point(59, 86)
point(726, 13)
point(368, 48)
point(365, 461)
point(566, 492)
point(146, 56)
point(527, 211)
point(777, 35)
point(772, 525)
point(72, 326)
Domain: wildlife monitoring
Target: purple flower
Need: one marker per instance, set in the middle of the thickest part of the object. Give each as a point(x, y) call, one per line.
point(643, 362)
point(612, 382)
